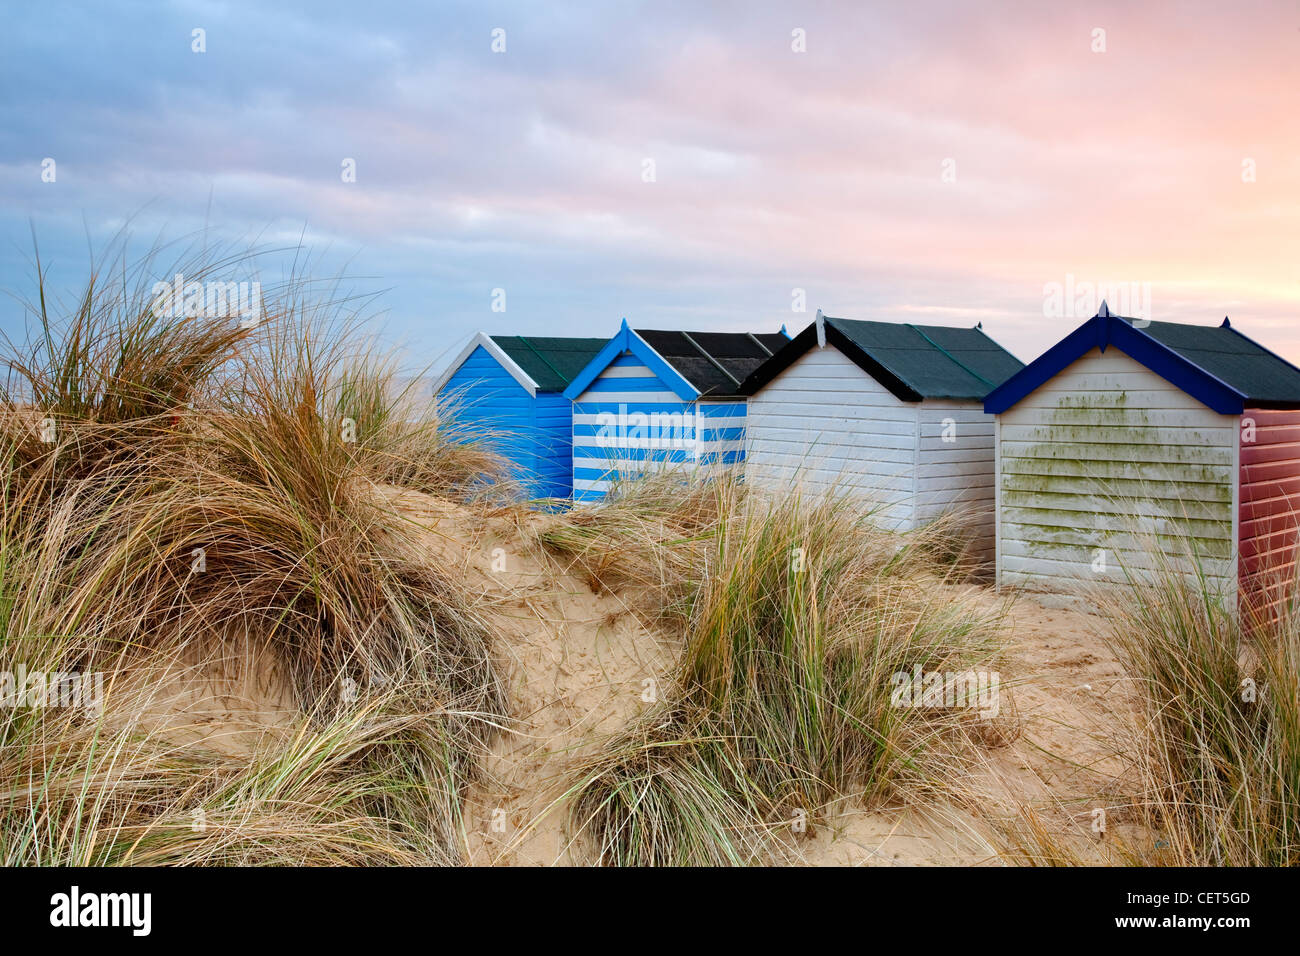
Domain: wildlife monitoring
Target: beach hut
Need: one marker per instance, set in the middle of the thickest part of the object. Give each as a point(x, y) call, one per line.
point(886, 411)
point(661, 399)
point(510, 390)
point(1129, 433)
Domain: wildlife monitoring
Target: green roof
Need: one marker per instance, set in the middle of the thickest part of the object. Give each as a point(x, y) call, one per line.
point(1233, 359)
point(933, 361)
point(549, 361)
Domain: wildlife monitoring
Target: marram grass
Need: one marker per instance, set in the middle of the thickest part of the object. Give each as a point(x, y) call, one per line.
point(796, 614)
point(184, 487)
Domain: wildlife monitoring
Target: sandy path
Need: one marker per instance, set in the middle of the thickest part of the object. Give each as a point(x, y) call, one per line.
point(577, 665)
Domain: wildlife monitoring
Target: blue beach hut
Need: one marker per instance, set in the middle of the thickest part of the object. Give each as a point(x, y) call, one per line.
point(656, 399)
point(509, 389)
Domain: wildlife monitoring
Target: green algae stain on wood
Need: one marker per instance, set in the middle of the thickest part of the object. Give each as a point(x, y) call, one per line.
point(1094, 472)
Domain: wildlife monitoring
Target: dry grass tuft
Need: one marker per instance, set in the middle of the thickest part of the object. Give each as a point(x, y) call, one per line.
point(210, 487)
point(797, 617)
point(1218, 752)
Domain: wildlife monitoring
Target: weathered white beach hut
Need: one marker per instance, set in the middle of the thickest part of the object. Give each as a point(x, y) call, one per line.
point(1129, 433)
point(890, 412)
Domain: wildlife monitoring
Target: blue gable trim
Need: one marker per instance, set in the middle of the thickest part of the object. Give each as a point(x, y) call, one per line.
point(628, 341)
point(1100, 332)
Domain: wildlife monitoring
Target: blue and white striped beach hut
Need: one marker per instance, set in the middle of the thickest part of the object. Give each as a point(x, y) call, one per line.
point(509, 389)
point(652, 400)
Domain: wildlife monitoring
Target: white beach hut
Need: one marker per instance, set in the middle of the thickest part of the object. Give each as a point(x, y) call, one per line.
point(889, 412)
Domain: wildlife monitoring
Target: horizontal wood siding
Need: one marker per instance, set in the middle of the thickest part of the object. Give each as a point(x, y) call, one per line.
point(954, 470)
point(720, 432)
point(1270, 505)
point(1108, 458)
point(491, 407)
point(553, 418)
point(628, 421)
point(825, 424)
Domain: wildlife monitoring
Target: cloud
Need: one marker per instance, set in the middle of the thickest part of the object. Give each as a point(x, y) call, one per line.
point(773, 170)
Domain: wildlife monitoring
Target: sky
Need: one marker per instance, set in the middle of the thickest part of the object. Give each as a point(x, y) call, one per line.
point(551, 168)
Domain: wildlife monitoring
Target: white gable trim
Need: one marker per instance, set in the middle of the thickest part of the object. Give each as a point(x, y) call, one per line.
point(504, 360)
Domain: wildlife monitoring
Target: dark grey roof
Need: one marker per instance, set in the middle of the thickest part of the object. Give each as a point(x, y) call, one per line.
point(935, 361)
point(914, 362)
point(1223, 352)
point(716, 363)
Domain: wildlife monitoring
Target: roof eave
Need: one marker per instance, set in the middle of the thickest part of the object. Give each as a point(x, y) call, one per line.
point(806, 340)
point(626, 340)
point(1101, 332)
point(498, 353)
point(1273, 404)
